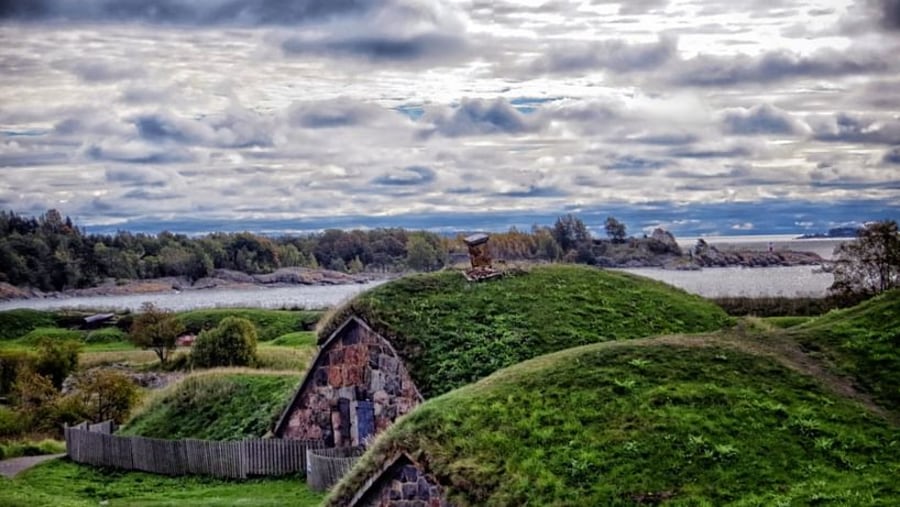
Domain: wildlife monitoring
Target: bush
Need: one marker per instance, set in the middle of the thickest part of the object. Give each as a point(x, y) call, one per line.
point(11, 423)
point(31, 448)
point(56, 359)
point(231, 343)
point(11, 363)
point(106, 335)
point(99, 395)
point(270, 324)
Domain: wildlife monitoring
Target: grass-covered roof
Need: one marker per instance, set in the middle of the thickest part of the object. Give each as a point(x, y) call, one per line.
point(682, 421)
point(862, 341)
point(451, 332)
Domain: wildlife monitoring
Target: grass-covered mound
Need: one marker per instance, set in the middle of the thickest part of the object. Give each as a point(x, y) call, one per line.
point(452, 332)
point(214, 405)
point(270, 324)
point(18, 322)
point(62, 483)
point(863, 341)
point(681, 421)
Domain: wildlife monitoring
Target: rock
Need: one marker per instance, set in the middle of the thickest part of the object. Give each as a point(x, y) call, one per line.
point(665, 241)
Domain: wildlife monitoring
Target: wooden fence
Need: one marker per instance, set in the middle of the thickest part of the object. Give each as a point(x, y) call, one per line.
point(235, 460)
point(327, 466)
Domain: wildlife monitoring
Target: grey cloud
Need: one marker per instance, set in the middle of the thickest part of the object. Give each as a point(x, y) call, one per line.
point(143, 176)
point(408, 176)
point(636, 165)
point(534, 191)
point(480, 117)
point(892, 156)
point(94, 71)
point(203, 12)
point(380, 47)
point(845, 127)
point(706, 70)
point(760, 120)
point(706, 153)
point(136, 153)
point(616, 55)
point(236, 128)
point(887, 13)
point(341, 112)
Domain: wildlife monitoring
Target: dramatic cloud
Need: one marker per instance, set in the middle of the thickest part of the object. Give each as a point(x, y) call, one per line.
point(302, 114)
point(761, 120)
point(705, 70)
point(615, 55)
point(480, 117)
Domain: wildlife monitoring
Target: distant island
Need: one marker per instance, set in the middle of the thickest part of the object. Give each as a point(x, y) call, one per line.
point(836, 232)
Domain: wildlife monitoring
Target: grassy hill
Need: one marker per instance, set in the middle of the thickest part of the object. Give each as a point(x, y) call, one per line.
point(862, 341)
point(452, 332)
point(270, 324)
point(682, 421)
point(214, 405)
point(17, 323)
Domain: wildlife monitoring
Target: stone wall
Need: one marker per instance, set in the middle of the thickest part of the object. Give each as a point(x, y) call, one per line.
point(405, 485)
point(357, 388)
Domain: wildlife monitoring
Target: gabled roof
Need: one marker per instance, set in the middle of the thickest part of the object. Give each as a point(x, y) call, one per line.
point(307, 378)
point(402, 458)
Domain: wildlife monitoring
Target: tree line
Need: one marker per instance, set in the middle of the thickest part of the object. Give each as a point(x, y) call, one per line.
point(50, 252)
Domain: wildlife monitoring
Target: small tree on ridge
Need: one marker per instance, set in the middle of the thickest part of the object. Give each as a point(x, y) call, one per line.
point(156, 329)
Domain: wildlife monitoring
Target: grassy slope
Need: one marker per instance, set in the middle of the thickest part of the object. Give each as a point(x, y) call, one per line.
point(270, 324)
point(65, 484)
point(16, 323)
point(608, 423)
point(863, 341)
point(214, 405)
point(452, 332)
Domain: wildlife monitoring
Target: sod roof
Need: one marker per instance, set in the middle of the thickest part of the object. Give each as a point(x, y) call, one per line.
point(451, 332)
point(682, 421)
point(862, 341)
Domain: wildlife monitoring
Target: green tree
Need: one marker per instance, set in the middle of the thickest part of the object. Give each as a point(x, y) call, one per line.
point(570, 232)
point(420, 254)
point(56, 359)
point(156, 329)
point(231, 343)
point(355, 266)
point(615, 230)
point(102, 395)
point(871, 263)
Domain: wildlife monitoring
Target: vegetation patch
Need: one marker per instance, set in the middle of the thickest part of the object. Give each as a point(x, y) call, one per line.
point(17, 448)
point(61, 483)
point(53, 333)
point(452, 332)
point(18, 322)
point(863, 341)
point(270, 324)
point(214, 405)
point(297, 339)
point(683, 421)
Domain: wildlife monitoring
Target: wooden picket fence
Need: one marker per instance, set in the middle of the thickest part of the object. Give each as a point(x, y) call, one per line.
point(96, 445)
point(327, 466)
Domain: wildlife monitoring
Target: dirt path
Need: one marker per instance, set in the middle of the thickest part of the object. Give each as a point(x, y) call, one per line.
point(11, 467)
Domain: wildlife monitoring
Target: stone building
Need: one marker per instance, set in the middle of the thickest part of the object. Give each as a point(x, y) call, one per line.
point(400, 483)
point(356, 387)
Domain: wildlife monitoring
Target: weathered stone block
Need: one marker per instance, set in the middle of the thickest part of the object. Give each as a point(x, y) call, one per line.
point(409, 491)
point(335, 376)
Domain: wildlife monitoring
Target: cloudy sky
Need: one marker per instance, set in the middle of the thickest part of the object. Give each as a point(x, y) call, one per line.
point(703, 116)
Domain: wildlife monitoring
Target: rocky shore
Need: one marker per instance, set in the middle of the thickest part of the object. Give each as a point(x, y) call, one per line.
point(221, 279)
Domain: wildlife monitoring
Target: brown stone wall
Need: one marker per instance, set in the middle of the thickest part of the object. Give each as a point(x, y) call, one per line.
point(358, 388)
point(405, 485)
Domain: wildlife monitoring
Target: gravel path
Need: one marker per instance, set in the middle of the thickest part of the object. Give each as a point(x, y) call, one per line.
point(11, 467)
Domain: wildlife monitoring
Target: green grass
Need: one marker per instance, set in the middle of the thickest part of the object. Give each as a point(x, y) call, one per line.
point(106, 335)
point(214, 405)
point(787, 322)
point(18, 322)
point(53, 333)
point(62, 483)
point(863, 341)
point(17, 448)
point(270, 324)
point(275, 357)
point(452, 332)
point(607, 424)
point(297, 339)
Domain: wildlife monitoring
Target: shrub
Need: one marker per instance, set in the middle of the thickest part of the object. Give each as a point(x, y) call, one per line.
point(11, 423)
point(11, 363)
point(56, 360)
point(231, 343)
point(106, 335)
point(100, 395)
point(156, 329)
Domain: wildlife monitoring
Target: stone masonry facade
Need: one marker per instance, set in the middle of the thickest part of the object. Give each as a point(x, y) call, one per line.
point(405, 485)
point(356, 389)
